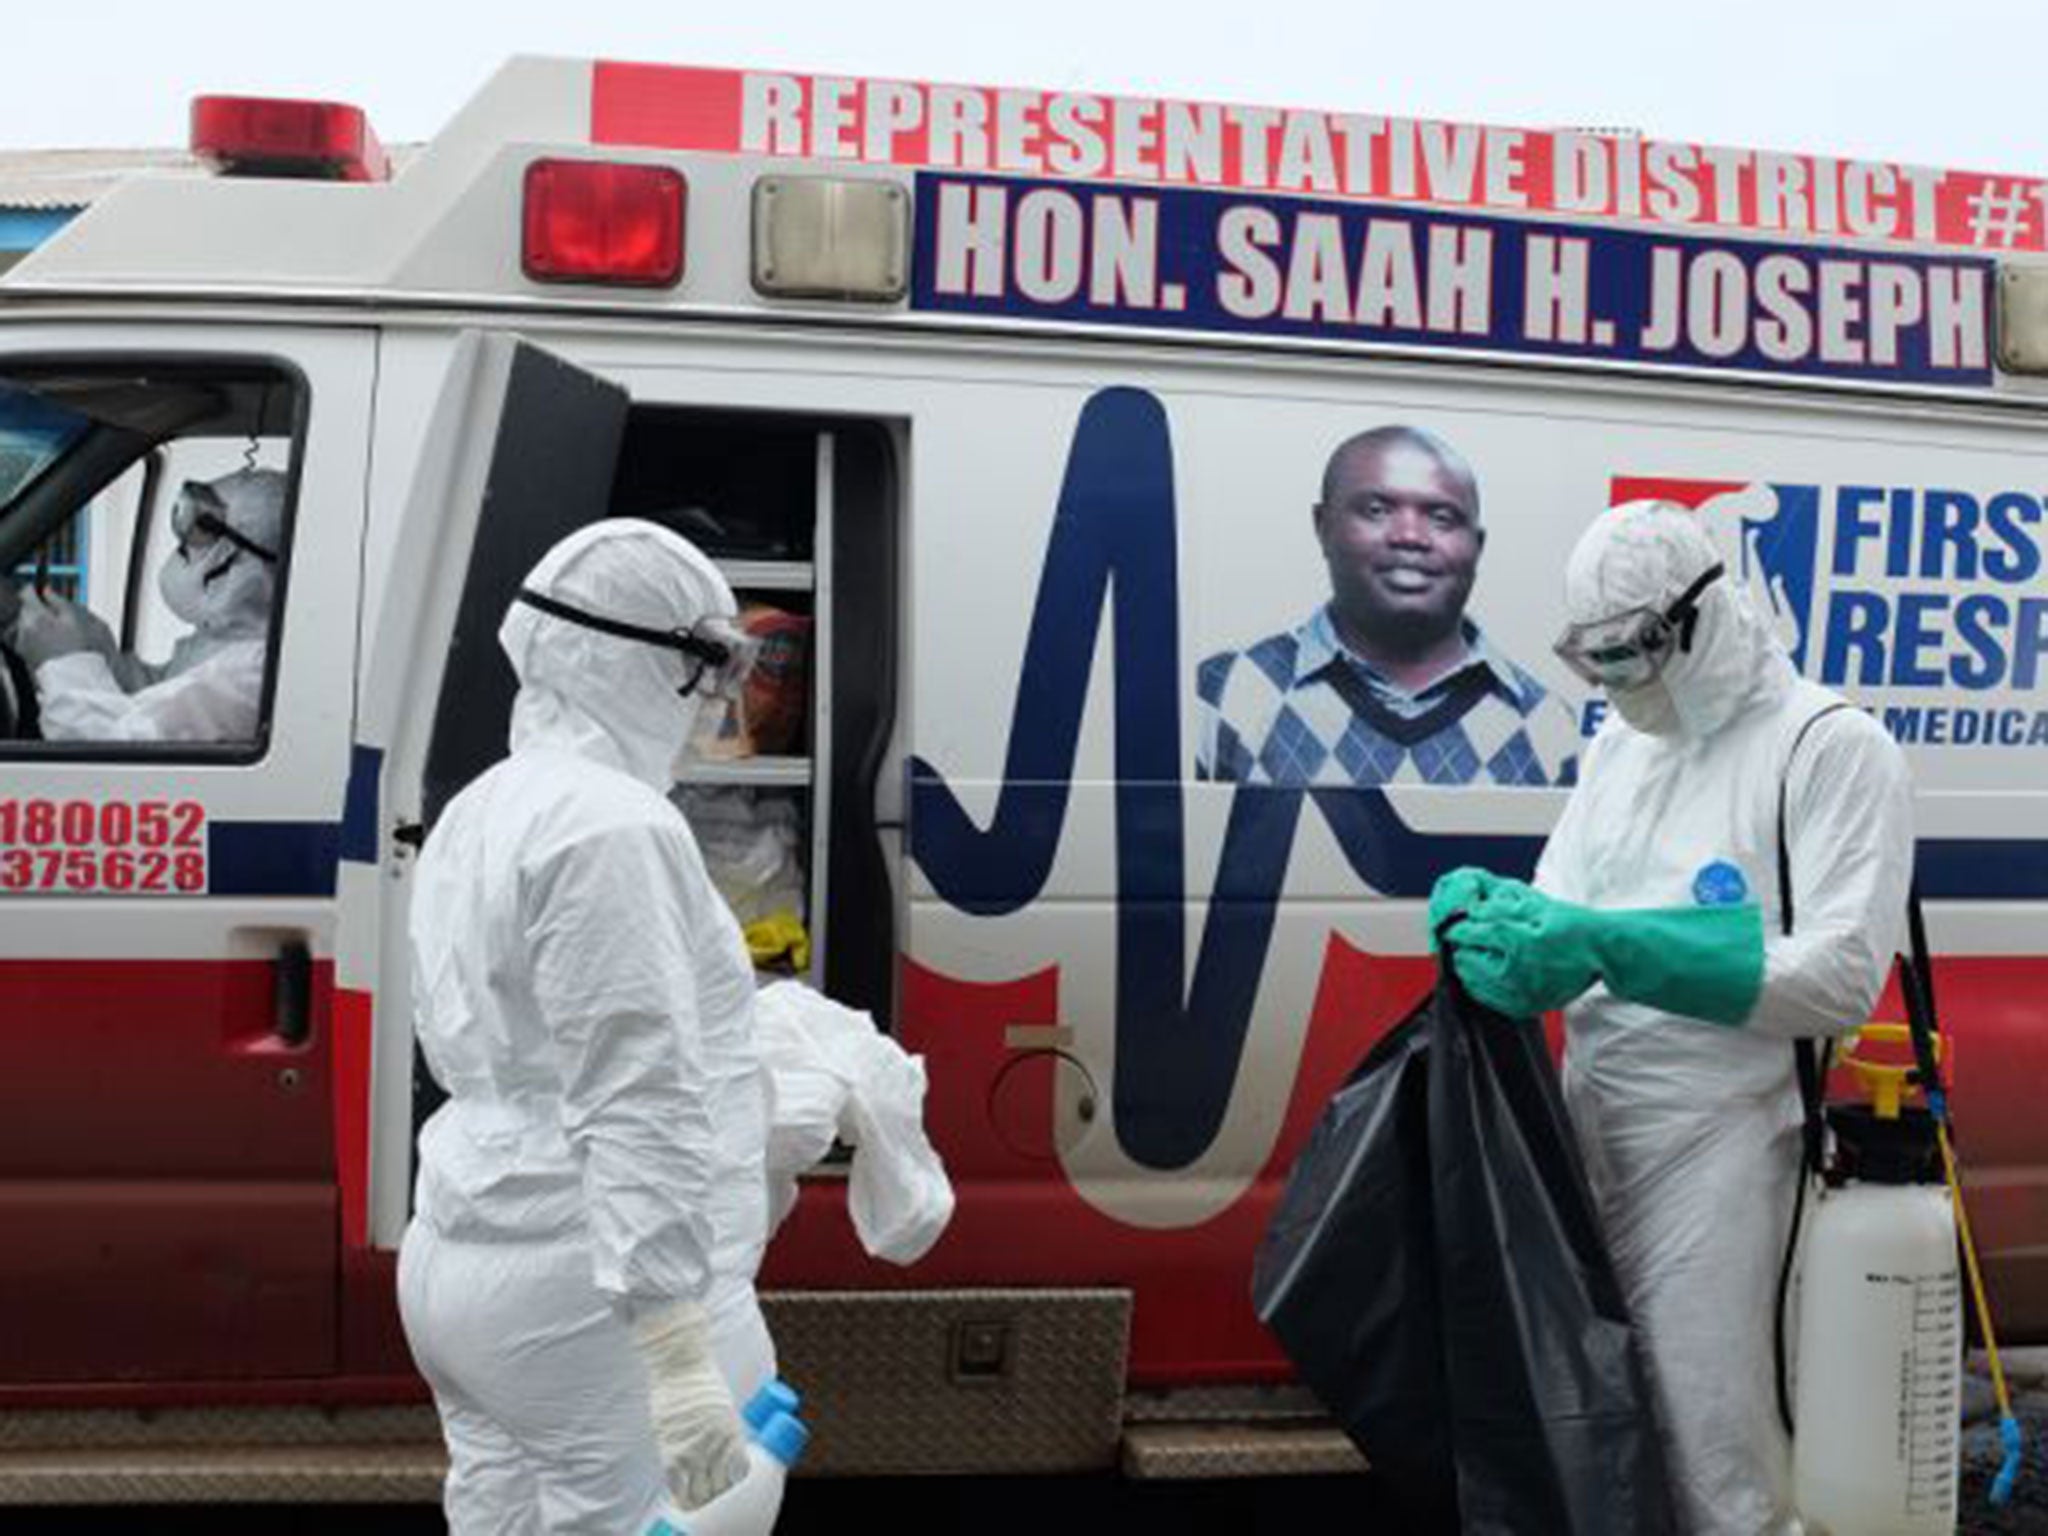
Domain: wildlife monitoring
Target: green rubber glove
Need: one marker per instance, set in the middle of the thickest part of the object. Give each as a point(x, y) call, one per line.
point(1458, 891)
point(1522, 952)
point(1703, 962)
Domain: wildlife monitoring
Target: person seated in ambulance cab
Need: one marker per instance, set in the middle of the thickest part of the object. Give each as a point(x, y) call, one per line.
point(221, 578)
point(1388, 682)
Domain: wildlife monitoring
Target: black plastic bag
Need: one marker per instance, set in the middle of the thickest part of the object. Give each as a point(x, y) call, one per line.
point(1436, 1272)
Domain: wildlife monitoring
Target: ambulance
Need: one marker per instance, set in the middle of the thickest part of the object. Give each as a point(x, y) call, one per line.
point(1019, 408)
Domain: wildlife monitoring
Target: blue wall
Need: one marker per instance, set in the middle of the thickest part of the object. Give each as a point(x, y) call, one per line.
point(23, 229)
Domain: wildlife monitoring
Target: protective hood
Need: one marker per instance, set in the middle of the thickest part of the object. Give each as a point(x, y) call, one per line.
point(1644, 554)
point(223, 590)
point(603, 696)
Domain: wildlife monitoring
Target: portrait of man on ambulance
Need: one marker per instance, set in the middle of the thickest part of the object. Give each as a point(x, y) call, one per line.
point(1389, 681)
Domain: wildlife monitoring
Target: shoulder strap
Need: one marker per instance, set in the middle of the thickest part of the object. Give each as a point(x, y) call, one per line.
point(1811, 1060)
point(1807, 1057)
point(1784, 795)
point(1916, 985)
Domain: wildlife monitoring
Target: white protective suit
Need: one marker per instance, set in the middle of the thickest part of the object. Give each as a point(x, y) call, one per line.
point(586, 999)
point(834, 1077)
point(1691, 1130)
point(211, 687)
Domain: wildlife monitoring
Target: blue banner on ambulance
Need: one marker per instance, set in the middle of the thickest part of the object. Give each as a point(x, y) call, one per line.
point(1236, 262)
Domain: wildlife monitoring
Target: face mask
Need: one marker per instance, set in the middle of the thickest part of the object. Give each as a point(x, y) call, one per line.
point(182, 583)
point(1649, 708)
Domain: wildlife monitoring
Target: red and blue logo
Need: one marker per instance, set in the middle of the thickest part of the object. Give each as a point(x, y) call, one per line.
point(1921, 602)
point(1769, 534)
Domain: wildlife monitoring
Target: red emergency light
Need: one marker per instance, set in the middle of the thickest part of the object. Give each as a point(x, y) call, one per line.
point(599, 221)
point(269, 136)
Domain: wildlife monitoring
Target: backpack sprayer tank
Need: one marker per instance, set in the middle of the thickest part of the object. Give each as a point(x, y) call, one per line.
point(1879, 1394)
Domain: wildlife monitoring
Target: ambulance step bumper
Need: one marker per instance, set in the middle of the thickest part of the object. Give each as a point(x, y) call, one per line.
point(963, 1382)
point(226, 1474)
point(1186, 1451)
point(283, 1455)
point(895, 1383)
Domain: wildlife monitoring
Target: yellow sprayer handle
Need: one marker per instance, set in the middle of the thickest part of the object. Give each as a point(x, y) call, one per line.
point(1885, 1081)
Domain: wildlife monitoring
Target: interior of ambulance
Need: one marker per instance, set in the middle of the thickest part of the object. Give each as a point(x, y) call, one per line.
point(801, 514)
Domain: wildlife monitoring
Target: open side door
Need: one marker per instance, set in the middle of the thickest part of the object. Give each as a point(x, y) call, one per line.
point(520, 451)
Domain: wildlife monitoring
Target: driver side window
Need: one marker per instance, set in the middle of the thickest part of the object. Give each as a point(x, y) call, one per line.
point(145, 515)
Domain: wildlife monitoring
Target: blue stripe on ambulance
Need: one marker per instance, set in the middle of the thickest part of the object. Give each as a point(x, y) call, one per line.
point(359, 808)
point(272, 858)
point(297, 858)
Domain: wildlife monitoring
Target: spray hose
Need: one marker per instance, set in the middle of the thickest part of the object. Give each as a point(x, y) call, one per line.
point(1917, 982)
point(2008, 1423)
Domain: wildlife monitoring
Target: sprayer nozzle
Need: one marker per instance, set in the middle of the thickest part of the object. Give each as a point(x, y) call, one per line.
point(2009, 1469)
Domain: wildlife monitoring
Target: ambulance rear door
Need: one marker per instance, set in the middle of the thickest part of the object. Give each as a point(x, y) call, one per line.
point(507, 446)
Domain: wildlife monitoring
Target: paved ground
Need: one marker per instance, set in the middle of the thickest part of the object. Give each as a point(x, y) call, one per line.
point(920, 1507)
point(2026, 1514)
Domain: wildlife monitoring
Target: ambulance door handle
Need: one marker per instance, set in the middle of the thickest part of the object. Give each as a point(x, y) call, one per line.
point(292, 993)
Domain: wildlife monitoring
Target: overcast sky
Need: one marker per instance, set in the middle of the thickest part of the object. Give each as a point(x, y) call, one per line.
point(1955, 83)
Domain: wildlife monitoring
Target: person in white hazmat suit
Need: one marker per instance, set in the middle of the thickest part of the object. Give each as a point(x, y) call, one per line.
point(1655, 923)
point(586, 1000)
point(221, 578)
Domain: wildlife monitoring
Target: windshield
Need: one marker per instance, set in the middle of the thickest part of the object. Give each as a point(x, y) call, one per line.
point(33, 433)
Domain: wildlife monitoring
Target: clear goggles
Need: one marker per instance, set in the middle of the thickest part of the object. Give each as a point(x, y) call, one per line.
point(721, 656)
point(199, 518)
point(1630, 648)
point(717, 654)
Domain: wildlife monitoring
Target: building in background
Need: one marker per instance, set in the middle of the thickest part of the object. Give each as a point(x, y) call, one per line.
point(42, 190)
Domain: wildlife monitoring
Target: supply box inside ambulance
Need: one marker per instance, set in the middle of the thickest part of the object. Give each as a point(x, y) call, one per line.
point(1038, 433)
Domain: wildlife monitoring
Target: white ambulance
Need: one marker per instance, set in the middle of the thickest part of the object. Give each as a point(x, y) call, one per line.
point(1027, 409)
